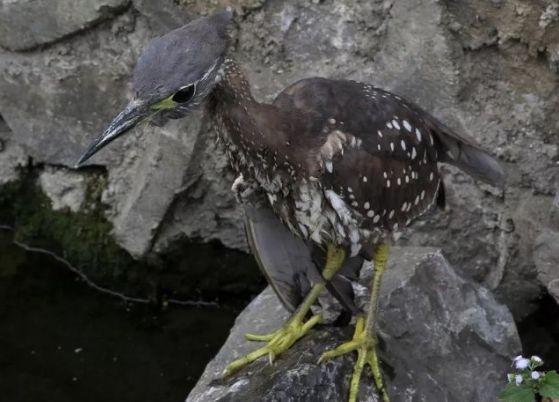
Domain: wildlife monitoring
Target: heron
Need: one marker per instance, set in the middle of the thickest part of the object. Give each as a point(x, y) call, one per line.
point(343, 166)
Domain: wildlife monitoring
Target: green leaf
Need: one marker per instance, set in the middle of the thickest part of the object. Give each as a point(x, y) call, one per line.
point(520, 393)
point(550, 385)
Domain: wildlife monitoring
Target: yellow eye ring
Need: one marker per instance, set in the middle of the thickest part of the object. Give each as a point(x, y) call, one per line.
point(183, 95)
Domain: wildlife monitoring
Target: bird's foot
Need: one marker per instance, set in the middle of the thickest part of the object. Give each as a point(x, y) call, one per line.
point(278, 342)
point(364, 342)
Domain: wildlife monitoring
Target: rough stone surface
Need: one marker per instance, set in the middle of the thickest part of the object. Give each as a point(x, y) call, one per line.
point(163, 14)
point(546, 252)
point(65, 189)
point(486, 68)
point(443, 338)
point(546, 257)
point(12, 157)
point(25, 24)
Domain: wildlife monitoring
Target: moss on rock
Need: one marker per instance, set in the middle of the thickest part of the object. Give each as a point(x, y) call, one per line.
point(83, 238)
point(188, 270)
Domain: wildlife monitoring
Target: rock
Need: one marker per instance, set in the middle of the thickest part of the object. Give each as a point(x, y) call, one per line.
point(163, 15)
point(25, 24)
point(469, 63)
point(546, 256)
point(546, 252)
point(57, 99)
point(12, 157)
point(65, 189)
point(443, 338)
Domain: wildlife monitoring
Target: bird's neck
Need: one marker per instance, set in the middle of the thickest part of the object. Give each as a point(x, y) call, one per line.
point(244, 121)
point(233, 87)
point(255, 134)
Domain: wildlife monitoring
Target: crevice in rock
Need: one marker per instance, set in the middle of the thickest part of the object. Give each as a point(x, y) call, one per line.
point(539, 332)
point(189, 268)
point(4, 128)
point(107, 13)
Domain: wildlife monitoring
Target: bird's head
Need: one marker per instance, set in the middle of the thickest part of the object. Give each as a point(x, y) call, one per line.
point(173, 75)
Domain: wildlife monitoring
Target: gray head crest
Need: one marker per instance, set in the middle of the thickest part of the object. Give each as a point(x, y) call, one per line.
point(182, 56)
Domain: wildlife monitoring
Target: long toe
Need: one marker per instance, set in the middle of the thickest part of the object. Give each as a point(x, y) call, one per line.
point(364, 343)
point(277, 342)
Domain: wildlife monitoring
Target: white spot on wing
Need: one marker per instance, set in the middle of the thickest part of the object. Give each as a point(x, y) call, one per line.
point(407, 125)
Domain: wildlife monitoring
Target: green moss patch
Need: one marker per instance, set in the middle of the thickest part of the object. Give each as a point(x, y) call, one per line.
point(189, 270)
point(82, 238)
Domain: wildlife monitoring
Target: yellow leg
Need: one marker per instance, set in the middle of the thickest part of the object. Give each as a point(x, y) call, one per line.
point(282, 339)
point(364, 338)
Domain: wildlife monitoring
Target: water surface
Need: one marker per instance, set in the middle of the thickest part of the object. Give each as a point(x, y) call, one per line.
point(62, 341)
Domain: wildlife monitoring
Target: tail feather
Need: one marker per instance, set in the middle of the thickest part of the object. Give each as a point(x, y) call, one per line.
point(463, 152)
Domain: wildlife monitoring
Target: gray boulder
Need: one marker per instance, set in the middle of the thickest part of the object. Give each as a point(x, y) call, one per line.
point(443, 338)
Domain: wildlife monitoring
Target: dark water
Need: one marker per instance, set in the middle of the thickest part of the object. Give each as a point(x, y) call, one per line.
point(62, 341)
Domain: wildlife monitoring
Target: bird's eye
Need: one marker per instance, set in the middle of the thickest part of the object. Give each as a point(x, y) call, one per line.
point(184, 94)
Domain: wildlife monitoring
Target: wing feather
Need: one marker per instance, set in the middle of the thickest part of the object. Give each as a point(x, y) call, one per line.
point(363, 111)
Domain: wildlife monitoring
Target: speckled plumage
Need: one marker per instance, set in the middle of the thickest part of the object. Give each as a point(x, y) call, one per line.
point(341, 161)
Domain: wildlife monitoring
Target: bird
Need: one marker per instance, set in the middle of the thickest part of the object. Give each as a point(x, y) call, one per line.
point(343, 165)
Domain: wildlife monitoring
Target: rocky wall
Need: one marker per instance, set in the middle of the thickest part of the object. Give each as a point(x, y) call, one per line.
point(487, 68)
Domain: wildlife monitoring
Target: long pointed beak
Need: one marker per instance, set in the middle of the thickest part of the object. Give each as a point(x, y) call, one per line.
point(126, 120)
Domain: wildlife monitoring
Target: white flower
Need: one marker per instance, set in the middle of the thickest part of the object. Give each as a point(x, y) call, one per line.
point(518, 379)
point(536, 359)
point(535, 375)
point(521, 363)
point(510, 377)
point(518, 358)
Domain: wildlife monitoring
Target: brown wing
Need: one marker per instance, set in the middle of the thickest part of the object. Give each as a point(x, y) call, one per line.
point(380, 152)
